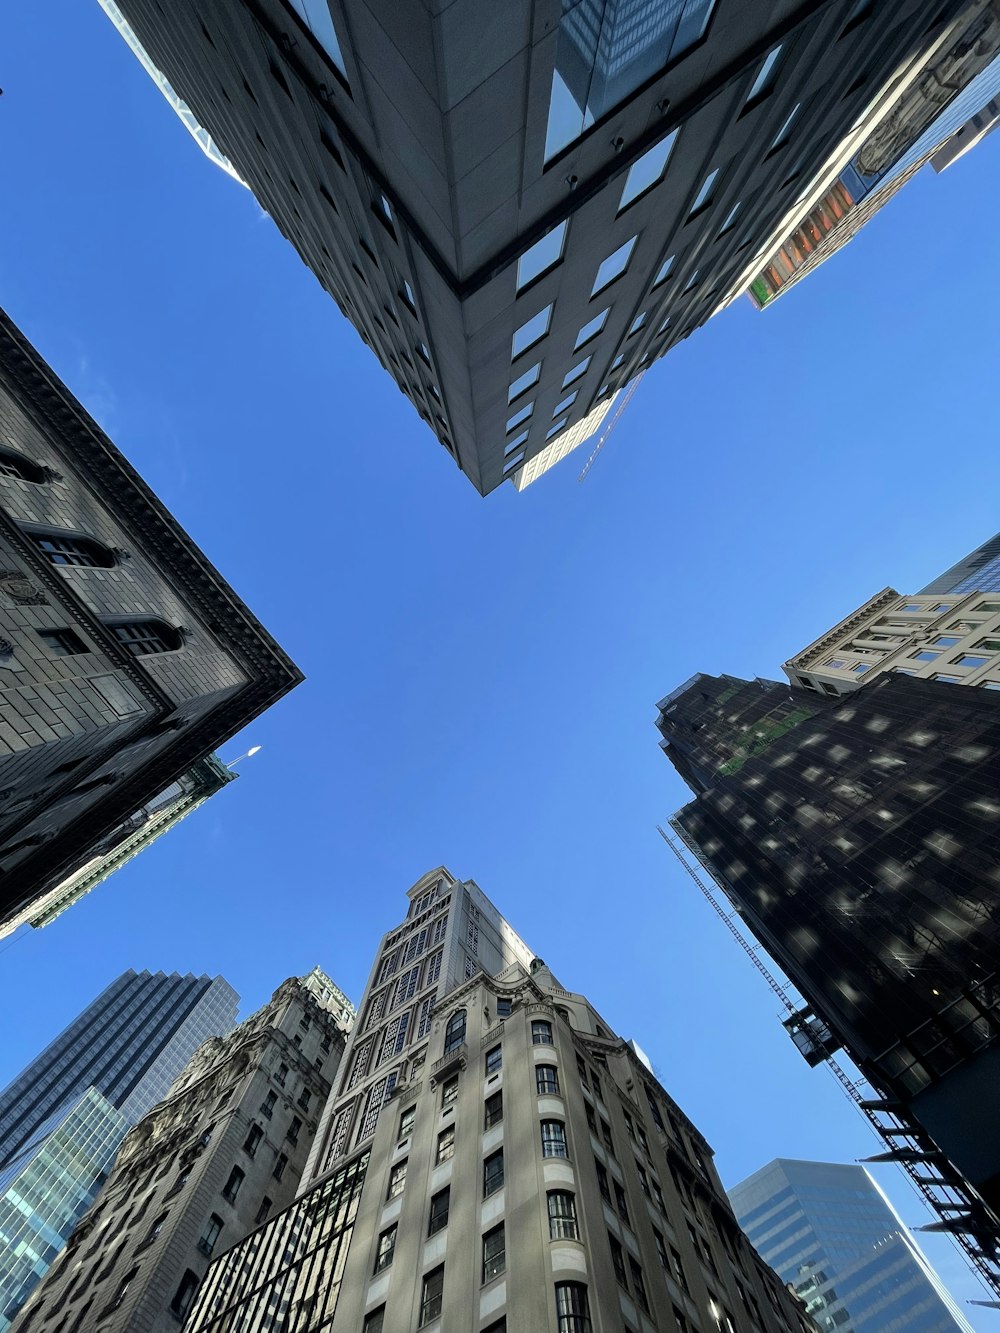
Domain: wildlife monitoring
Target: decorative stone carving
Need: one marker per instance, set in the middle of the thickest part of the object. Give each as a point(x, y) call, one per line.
point(20, 589)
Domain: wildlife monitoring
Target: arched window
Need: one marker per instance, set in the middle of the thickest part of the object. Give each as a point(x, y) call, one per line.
point(147, 635)
point(454, 1033)
point(68, 548)
point(13, 464)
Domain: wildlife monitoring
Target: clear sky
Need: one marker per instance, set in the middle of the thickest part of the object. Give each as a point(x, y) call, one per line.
point(483, 674)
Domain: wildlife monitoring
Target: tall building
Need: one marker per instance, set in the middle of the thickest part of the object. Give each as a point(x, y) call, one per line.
point(202, 1169)
point(830, 1232)
point(63, 1118)
point(192, 789)
point(856, 838)
point(520, 209)
point(494, 1158)
point(979, 571)
point(125, 658)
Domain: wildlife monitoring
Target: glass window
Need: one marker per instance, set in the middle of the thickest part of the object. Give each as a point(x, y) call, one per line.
point(375, 1321)
point(664, 326)
point(565, 405)
point(541, 1033)
point(518, 417)
point(531, 331)
point(579, 369)
point(621, 1203)
point(504, 1007)
point(397, 1180)
point(524, 382)
point(562, 1216)
point(941, 606)
point(446, 1144)
point(704, 196)
point(449, 1092)
point(969, 660)
point(440, 1205)
point(252, 1140)
point(554, 1139)
point(184, 1294)
point(617, 361)
point(636, 324)
point(279, 1166)
point(766, 75)
point(386, 1249)
point(493, 1110)
point(494, 1059)
point(945, 640)
point(614, 266)
point(406, 1121)
point(62, 642)
point(924, 656)
point(950, 680)
point(541, 256)
point(591, 329)
point(64, 549)
point(493, 1173)
point(513, 444)
point(602, 1181)
point(236, 1178)
point(988, 645)
point(572, 1308)
point(143, 637)
point(431, 1296)
point(639, 1285)
point(988, 606)
point(546, 1080)
point(618, 1260)
point(693, 280)
point(730, 221)
point(454, 1033)
point(494, 1253)
point(989, 684)
point(784, 134)
point(647, 170)
point(664, 271)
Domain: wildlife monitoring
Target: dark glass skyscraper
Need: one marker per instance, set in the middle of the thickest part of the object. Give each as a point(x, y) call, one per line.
point(979, 571)
point(63, 1118)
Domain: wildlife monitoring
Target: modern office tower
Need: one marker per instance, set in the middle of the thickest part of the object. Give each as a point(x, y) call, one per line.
point(125, 658)
point(830, 1232)
point(64, 1117)
point(856, 838)
point(494, 1158)
point(202, 1169)
point(521, 207)
point(192, 789)
point(979, 571)
point(958, 82)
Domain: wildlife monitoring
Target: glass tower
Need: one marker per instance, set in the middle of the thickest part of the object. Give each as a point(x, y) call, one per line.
point(63, 1118)
point(830, 1231)
point(979, 571)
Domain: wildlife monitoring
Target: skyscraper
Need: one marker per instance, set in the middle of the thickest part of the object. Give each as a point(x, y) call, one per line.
point(125, 656)
point(202, 1169)
point(494, 1158)
point(63, 1118)
point(856, 838)
point(979, 571)
point(829, 1231)
point(521, 208)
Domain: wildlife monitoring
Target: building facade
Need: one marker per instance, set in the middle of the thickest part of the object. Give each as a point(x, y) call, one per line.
point(520, 211)
point(829, 1231)
point(979, 571)
point(856, 838)
point(63, 1118)
point(525, 1171)
point(201, 1170)
point(125, 658)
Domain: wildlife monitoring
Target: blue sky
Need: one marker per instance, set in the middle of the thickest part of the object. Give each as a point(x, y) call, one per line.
point(482, 674)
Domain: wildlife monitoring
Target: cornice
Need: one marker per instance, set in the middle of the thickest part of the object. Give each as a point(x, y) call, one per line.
point(831, 640)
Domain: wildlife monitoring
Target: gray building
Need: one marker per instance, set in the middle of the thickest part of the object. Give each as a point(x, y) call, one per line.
point(494, 1158)
point(125, 658)
point(521, 207)
point(201, 1170)
point(63, 1118)
point(829, 1231)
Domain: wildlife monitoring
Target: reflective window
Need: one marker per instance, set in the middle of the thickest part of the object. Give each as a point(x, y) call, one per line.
point(704, 196)
point(693, 280)
point(731, 217)
point(518, 417)
point(614, 266)
point(925, 656)
point(968, 660)
point(591, 329)
point(516, 443)
point(950, 680)
point(494, 1253)
point(316, 16)
point(766, 75)
point(664, 270)
point(554, 1139)
point(784, 133)
point(562, 1216)
point(618, 360)
point(565, 405)
point(945, 641)
point(606, 50)
point(530, 331)
point(579, 369)
point(554, 430)
point(636, 324)
point(647, 170)
point(542, 256)
point(664, 326)
point(523, 382)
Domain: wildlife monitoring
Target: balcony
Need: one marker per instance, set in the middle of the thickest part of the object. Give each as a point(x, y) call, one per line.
point(449, 1064)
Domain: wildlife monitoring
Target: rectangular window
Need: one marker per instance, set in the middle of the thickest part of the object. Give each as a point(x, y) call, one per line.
point(252, 1140)
point(541, 256)
point(494, 1253)
point(236, 1178)
point(279, 1166)
point(375, 1320)
point(541, 1033)
point(638, 1285)
point(493, 1110)
point(591, 1118)
point(445, 1145)
point(262, 1211)
point(785, 133)
point(546, 1080)
point(620, 1203)
point(406, 1122)
point(440, 1204)
point(969, 660)
point(618, 1260)
point(591, 329)
point(647, 171)
point(574, 374)
point(766, 77)
point(504, 1007)
point(678, 1268)
point(554, 1139)
point(494, 1059)
point(397, 1180)
point(449, 1092)
point(386, 1249)
point(602, 1181)
point(524, 382)
point(184, 1294)
point(530, 332)
point(523, 415)
point(614, 266)
point(292, 1133)
point(609, 1142)
point(493, 1173)
point(562, 1216)
point(643, 1180)
point(572, 1308)
point(62, 642)
point(431, 1296)
point(705, 194)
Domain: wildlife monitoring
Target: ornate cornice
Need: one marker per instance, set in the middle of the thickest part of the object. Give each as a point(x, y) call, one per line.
point(833, 637)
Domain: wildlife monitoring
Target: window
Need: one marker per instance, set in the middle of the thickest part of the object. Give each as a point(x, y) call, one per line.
point(236, 1178)
point(621, 1203)
point(784, 134)
point(253, 1140)
point(445, 1145)
point(62, 642)
point(766, 77)
point(449, 1092)
point(546, 1080)
point(207, 1239)
point(156, 1226)
point(64, 549)
point(602, 1181)
point(494, 1059)
point(565, 405)
point(454, 1033)
point(406, 1122)
point(636, 324)
point(661, 1250)
point(440, 1204)
point(572, 1308)
point(374, 1320)
point(591, 1118)
point(554, 430)
point(678, 1269)
point(609, 1142)
point(693, 281)
point(493, 1110)
point(504, 1007)
point(145, 637)
point(969, 660)
point(386, 1249)
point(618, 1260)
point(281, 1075)
point(988, 645)
point(294, 1128)
point(524, 382)
point(554, 1139)
point(13, 464)
point(705, 194)
point(494, 1253)
point(523, 415)
point(647, 171)
point(614, 266)
point(397, 1180)
point(573, 375)
point(530, 332)
point(643, 1180)
point(730, 221)
point(430, 1300)
point(493, 1173)
point(279, 1166)
point(925, 657)
point(184, 1294)
point(638, 1285)
point(123, 1287)
point(541, 256)
point(408, 297)
point(562, 1216)
point(541, 1033)
point(262, 1211)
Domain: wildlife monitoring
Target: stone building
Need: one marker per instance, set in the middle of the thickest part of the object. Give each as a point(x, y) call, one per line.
point(125, 657)
point(495, 1160)
point(203, 1169)
point(522, 206)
